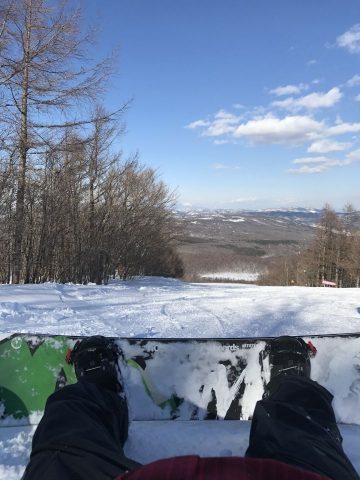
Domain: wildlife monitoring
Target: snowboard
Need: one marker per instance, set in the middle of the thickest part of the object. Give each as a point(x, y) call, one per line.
point(179, 379)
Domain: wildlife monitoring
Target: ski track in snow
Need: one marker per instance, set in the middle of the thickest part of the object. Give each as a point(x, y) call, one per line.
point(158, 307)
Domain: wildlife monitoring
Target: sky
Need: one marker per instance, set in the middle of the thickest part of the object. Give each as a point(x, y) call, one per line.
point(243, 104)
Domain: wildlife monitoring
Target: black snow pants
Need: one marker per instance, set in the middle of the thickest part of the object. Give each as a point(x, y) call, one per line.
point(296, 425)
point(84, 427)
point(80, 436)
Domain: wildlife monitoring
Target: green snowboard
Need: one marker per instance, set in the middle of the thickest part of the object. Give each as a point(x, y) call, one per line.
point(182, 379)
point(32, 367)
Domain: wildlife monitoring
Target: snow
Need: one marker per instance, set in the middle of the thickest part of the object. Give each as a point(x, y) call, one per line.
point(232, 276)
point(212, 439)
point(183, 367)
point(15, 446)
point(234, 220)
point(172, 370)
point(158, 307)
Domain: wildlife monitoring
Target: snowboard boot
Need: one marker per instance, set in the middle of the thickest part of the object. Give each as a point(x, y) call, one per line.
point(289, 356)
point(95, 360)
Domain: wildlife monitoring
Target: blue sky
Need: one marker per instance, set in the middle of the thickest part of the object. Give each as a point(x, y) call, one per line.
point(240, 104)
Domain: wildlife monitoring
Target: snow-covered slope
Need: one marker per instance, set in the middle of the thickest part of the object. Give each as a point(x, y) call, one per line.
point(158, 307)
point(169, 308)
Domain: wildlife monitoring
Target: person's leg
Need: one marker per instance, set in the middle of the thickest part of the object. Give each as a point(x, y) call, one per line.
point(296, 424)
point(85, 425)
point(80, 436)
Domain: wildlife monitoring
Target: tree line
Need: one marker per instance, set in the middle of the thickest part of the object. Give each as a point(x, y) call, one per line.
point(72, 208)
point(332, 256)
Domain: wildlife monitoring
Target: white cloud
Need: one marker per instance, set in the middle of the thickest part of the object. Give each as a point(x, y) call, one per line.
point(309, 165)
point(245, 200)
point(291, 129)
point(338, 120)
point(289, 90)
point(326, 146)
point(357, 98)
point(354, 156)
point(312, 62)
point(311, 101)
point(218, 128)
point(343, 128)
point(353, 81)
point(198, 124)
point(223, 124)
point(226, 116)
point(305, 169)
point(310, 160)
point(350, 39)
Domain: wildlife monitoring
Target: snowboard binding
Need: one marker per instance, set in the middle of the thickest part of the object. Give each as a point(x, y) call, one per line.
point(289, 356)
point(95, 359)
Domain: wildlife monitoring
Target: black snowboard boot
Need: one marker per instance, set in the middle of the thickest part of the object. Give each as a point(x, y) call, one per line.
point(289, 356)
point(95, 360)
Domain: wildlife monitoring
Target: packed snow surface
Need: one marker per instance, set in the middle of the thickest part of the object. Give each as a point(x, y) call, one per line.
point(232, 276)
point(158, 307)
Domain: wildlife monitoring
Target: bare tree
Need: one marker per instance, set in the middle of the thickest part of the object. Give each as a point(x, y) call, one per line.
point(100, 158)
point(42, 78)
point(70, 208)
point(334, 254)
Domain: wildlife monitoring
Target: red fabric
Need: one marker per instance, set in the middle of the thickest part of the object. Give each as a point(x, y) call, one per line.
point(231, 468)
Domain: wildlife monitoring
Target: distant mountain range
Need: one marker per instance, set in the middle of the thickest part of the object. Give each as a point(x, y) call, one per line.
point(269, 216)
point(300, 215)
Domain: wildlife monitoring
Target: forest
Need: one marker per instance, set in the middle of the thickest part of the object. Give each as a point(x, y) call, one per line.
point(73, 207)
point(333, 256)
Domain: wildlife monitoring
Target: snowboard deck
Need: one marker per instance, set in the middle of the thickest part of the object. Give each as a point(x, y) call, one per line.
point(180, 379)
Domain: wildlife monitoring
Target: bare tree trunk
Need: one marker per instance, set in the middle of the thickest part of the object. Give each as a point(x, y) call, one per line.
point(92, 259)
point(23, 149)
